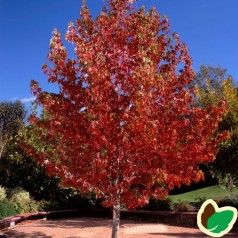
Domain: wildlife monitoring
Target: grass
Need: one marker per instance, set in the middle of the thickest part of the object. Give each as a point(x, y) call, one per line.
point(212, 192)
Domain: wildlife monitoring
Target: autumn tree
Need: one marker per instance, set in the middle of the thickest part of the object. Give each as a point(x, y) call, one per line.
point(122, 123)
point(214, 85)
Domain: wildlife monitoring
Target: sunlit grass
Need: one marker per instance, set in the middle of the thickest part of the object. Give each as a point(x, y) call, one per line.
point(212, 192)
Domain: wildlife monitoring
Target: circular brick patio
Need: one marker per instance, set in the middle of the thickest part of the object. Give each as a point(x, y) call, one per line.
point(86, 227)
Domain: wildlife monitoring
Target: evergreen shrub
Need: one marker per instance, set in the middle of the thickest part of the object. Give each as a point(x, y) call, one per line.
point(229, 201)
point(182, 206)
point(6, 209)
point(158, 205)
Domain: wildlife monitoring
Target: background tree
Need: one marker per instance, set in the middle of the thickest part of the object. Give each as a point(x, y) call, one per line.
point(122, 124)
point(214, 85)
point(12, 115)
point(16, 168)
point(19, 170)
point(215, 75)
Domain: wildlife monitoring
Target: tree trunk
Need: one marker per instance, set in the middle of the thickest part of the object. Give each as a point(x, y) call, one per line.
point(1, 150)
point(116, 220)
point(230, 184)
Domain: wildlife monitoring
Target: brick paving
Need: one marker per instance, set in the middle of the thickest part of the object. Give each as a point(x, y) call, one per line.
point(85, 227)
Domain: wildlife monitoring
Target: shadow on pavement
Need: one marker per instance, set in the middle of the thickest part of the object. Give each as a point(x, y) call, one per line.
point(72, 223)
point(16, 234)
point(189, 235)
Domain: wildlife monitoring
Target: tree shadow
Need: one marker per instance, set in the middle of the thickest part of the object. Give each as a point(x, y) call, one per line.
point(14, 234)
point(180, 234)
point(75, 223)
point(64, 223)
point(190, 235)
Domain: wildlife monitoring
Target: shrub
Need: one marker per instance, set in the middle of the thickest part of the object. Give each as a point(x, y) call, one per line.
point(229, 201)
point(21, 200)
point(200, 200)
point(69, 198)
point(17, 194)
point(158, 205)
point(182, 206)
point(6, 209)
point(3, 194)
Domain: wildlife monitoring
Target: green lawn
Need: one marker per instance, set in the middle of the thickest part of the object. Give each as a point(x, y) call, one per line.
point(213, 192)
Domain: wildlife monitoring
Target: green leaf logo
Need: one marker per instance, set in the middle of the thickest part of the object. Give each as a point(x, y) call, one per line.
point(215, 221)
point(220, 221)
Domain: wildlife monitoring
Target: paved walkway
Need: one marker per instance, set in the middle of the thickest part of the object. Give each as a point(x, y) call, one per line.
point(86, 227)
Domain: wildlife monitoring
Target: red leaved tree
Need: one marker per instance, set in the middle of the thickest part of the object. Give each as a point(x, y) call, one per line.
point(122, 123)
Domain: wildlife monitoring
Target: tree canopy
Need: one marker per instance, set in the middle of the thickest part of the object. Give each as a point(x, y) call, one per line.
point(122, 124)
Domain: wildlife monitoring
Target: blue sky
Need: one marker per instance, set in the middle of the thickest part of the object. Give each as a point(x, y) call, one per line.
point(208, 27)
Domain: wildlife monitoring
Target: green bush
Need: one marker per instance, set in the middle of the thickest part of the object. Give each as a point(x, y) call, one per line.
point(69, 198)
point(229, 201)
point(18, 194)
point(182, 206)
point(3, 194)
point(158, 205)
point(200, 200)
point(6, 209)
point(21, 200)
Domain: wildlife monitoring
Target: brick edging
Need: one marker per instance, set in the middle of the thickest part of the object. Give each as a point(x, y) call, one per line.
point(13, 220)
